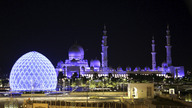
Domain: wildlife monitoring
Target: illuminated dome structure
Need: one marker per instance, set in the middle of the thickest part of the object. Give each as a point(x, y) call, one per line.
point(76, 52)
point(95, 63)
point(33, 72)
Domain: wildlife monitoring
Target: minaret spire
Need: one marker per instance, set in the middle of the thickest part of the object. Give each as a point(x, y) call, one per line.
point(104, 31)
point(104, 50)
point(153, 54)
point(168, 31)
point(168, 47)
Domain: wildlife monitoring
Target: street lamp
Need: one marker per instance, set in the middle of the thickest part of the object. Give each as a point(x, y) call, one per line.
point(63, 80)
point(123, 85)
point(87, 93)
point(69, 84)
point(103, 85)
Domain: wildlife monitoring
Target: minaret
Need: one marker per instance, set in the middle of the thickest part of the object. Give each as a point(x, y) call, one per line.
point(104, 50)
point(168, 47)
point(153, 53)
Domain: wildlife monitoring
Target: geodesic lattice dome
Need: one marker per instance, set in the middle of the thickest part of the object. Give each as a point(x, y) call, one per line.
point(33, 72)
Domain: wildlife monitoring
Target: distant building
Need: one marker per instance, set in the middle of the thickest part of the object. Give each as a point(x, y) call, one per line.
point(140, 90)
point(77, 64)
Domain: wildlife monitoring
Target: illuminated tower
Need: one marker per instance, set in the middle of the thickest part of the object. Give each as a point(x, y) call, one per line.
point(153, 53)
point(104, 50)
point(168, 47)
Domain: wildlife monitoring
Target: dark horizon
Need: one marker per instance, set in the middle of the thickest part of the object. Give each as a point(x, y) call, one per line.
point(51, 27)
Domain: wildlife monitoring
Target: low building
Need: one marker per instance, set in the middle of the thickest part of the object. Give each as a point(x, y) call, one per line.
point(140, 90)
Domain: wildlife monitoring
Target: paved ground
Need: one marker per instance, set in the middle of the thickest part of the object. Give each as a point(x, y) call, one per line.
point(158, 101)
point(82, 97)
point(54, 98)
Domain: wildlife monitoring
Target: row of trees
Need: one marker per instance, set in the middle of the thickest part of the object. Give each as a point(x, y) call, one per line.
point(111, 82)
point(102, 82)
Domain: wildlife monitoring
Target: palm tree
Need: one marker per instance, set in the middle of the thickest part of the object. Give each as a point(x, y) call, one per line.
point(92, 86)
point(100, 84)
point(73, 85)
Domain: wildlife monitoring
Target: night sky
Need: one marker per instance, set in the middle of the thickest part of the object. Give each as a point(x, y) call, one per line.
point(51, 27)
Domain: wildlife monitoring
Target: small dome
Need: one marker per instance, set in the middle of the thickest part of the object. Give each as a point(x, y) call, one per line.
point(110, 68)
point(119, 69)
point(60, 64)
point(95, 63)
point(137, 69)
point(164, 64)
point(147, 69)
point(76, 52)
point(128, 68)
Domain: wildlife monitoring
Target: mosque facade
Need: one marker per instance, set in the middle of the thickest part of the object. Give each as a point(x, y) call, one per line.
point(77, 64)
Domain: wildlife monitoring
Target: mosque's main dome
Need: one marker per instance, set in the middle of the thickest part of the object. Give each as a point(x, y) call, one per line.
point(33, 71)
point(76, 52)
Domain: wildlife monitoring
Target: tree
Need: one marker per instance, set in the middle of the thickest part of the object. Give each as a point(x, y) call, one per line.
point(144, 81)
point(83, 85)
point(73, 84)
point(74, 75)
point(92, 86)
point(95, 75)
point(105, 78)
point(110, 75)
point(132, 81)
point(109, 85)
point(100, 84)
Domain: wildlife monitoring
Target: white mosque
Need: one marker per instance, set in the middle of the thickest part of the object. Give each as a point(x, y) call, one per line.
point(77, 64)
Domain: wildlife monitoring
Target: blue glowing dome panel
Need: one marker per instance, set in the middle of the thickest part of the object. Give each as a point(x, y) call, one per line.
point(33, 72)
point(95, 63)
